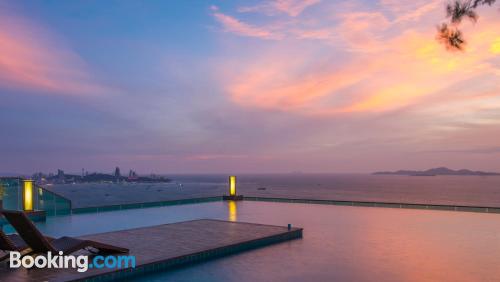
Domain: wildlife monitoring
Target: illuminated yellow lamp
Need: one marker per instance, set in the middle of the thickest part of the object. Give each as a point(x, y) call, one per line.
point(232, 191)
point(232, 185)
point(28, 195)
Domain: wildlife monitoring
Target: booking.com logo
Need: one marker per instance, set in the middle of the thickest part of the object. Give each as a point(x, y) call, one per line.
point(81, 263)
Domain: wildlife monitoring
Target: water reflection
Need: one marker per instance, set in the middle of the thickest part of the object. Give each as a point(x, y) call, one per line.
point(340, 243)
point(359, 244)
point(232, 211)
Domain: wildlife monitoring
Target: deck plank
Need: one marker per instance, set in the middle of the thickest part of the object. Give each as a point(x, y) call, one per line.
point(166, 246)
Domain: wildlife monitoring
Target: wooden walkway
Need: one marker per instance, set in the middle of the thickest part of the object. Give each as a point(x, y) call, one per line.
point(165, 246)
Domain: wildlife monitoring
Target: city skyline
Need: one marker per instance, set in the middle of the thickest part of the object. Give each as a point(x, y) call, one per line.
point(245, 86)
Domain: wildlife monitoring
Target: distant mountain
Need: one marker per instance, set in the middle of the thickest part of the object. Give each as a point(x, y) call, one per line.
point(436, 171)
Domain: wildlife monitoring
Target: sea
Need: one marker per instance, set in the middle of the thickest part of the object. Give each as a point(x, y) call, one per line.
point(481, 191)
point(454, 190)
point(340, 243)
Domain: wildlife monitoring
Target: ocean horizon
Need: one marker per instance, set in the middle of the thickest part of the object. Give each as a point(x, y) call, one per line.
point(440, 190)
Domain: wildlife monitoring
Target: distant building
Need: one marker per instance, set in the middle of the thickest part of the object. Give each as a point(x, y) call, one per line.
point(132, 175)
point(60, 176)
point(117, 172)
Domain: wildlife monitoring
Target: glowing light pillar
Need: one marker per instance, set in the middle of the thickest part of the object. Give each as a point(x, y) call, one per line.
point(27, 195)
point(232, 185)
point(232, 191)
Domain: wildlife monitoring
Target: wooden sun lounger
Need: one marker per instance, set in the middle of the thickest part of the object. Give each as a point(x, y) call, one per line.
point(13, 242)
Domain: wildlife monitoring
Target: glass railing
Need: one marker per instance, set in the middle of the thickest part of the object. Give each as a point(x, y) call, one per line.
point(12, 194)
point(43, 199)
point(52, 203)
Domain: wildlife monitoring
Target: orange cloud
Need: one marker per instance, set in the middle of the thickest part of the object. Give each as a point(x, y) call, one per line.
point(412, 67)
point(31, 59)
point(495, 46)
point(383, 65)
point(418, 67)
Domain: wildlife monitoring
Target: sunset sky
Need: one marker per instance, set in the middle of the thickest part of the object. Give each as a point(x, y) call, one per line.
point(245, 86)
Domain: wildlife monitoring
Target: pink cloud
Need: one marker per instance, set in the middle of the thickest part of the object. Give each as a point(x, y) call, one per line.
point(238, 27)
point(32, 59)
point(206, 157)
point(362, 31)
point(320, 33)
point(420, 11)
point(278, 82)
point(292, 8)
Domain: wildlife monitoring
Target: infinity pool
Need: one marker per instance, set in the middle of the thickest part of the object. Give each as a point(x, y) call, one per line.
point(340, 243)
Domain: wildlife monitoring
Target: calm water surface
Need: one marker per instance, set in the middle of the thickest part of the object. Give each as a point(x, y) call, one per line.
point(340, 243)
point(448, 190)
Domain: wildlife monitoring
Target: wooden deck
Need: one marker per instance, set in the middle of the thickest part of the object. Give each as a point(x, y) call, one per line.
point(164, 246)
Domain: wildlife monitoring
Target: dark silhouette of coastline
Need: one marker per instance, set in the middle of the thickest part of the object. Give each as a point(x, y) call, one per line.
point(436, 171)
point(96, 177)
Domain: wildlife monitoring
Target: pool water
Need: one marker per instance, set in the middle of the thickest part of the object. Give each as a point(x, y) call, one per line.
point(340, 243)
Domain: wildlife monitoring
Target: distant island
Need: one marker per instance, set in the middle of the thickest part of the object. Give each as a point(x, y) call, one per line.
point(436, 171)
point(96, 177)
